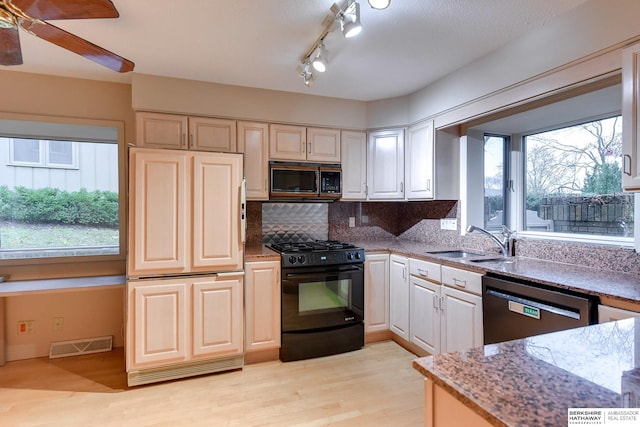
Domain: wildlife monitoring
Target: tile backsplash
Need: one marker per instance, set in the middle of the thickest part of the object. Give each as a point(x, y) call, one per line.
point(295, 222)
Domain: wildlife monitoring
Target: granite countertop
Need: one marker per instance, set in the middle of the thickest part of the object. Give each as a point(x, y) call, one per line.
point(260, 253)
point(533, 381)
point(578, 278)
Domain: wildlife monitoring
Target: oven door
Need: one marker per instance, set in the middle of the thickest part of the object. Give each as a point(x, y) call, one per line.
point(317, 298)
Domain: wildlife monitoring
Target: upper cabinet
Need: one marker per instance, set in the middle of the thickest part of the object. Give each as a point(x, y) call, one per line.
point(630, 117)
point(385, 165)
point(419, 162)
point(253, 142)
point(354, 165)
point(300, 143)
point(158, 130)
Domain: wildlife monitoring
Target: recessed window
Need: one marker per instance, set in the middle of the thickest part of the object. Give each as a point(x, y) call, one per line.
point(59, 198)
point(496, 148)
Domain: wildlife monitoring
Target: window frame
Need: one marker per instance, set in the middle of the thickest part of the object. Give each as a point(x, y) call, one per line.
point(44, 151)
point(75, 266)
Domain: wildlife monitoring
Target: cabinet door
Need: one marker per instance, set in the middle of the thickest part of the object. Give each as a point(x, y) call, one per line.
point(253, 142)
point(354, 165)
point(155, 130)
point(376, 292)
point(385, 165)
point(208, 134)
point(399, 296)
point(630, 117)
point(158, 211)
point(323, 145)
point(419, 162)
point(262, 305)
point(217, 316)
point(157, 323)
point(217, 181)
point(425, 314)
point(461, 319)
point(611, 314)
point(287, 142)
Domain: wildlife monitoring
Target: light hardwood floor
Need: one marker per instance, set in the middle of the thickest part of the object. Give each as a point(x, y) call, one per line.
point(375, 386)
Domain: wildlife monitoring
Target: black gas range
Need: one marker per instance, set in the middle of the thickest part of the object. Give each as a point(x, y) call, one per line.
point(322, 303)
point(317, 253)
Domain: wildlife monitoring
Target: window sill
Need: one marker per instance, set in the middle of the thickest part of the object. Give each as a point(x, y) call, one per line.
point(21, 287)
point(621, 242)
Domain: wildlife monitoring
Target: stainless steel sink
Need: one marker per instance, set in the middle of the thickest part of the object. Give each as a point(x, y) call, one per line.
point(455, 254)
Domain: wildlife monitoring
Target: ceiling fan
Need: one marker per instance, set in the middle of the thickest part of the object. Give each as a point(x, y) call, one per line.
point(31, 16)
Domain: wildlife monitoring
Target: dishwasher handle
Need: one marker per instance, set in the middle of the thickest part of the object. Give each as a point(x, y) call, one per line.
point(530, 308)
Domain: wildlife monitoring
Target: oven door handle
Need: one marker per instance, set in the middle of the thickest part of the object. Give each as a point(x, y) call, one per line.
point(314, 276)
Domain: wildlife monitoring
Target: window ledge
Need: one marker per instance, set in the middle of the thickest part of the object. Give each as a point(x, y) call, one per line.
point(21, 287)
point(622, 242)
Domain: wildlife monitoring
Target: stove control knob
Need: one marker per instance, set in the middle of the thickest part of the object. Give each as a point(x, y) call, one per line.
point(349, 255)
point(358, 256)
point(301, 259)
point(292, 259)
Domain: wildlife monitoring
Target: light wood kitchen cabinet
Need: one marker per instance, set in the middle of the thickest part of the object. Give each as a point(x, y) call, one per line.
point(184, 212)
point(159, 130)
point(253, 142)
point(385, 165)
point(354, 165)
point(299, 143)
point(419, 162)
point(610, 314)
point(262, 305)
point(631, 117)
point(183, 319)
point(376, 293)
point(442, 409)
point(399, 296)
point(461, 326)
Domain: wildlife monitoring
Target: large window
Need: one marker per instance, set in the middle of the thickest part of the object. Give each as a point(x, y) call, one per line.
point(553, 171)
point(574, 180)
point(59, 191)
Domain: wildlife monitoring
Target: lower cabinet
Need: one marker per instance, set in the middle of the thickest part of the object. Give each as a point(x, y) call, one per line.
point(461, 317)
point(610, 314)
point(399, 296)
point(376, 293)
point(262, 305)
point(182, 320)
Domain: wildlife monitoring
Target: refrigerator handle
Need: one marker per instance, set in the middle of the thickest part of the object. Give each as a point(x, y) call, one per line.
point(243, 210)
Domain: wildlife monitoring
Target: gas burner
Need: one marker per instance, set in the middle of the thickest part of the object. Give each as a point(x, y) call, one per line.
point(318, 252)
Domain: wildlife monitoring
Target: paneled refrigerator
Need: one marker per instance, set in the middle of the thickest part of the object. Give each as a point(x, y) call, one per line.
point(184, 303)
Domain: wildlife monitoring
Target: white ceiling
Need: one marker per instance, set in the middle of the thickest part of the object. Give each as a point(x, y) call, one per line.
point(259, 43)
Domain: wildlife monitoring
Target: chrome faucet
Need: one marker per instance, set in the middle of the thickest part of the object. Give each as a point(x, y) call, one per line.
point(505, 245)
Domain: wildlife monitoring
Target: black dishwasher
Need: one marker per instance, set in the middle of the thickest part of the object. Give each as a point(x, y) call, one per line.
point(512, 309)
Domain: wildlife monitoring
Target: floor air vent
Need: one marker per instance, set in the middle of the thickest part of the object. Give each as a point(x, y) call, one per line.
point(78, 347)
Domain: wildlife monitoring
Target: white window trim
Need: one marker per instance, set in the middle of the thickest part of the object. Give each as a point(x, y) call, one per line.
point(44, 156)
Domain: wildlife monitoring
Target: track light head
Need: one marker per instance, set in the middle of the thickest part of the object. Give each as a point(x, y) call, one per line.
point(319, 58)
point(306, 73)
point(379, 4)
point(350, 20)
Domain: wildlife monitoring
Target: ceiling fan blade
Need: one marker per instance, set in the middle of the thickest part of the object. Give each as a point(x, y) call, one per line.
point(78, 45)
point(10, 53)
point(67, 9)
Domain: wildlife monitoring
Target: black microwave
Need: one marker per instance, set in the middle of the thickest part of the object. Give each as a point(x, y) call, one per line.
point(304, 181)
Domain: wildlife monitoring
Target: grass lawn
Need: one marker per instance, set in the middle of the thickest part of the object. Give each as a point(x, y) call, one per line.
point(22, 236)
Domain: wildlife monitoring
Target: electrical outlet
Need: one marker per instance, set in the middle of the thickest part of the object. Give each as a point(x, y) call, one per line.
point(58, 324)
point(448, 224)
point(352, 221)
point(26, 327)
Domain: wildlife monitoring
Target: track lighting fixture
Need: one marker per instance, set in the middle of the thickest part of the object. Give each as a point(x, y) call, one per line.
point(349, 18)
point(319, 60)
point(379, 4)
